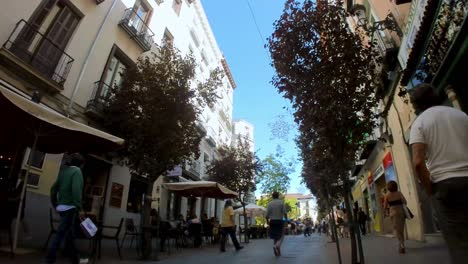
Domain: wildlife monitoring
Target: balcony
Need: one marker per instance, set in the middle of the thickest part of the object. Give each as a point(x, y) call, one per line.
point(137, 29)
point(99, 100)
point(35, 58)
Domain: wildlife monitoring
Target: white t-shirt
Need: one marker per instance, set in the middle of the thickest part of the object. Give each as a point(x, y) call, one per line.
point(444, 130)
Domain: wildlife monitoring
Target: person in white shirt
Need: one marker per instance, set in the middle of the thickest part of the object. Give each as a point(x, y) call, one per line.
point(439, 136)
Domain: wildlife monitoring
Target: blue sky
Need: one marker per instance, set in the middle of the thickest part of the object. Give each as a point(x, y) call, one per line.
point(255, 98)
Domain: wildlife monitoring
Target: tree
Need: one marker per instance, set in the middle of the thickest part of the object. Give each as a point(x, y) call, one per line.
point(328, 72)
point(156, 111)
point(236, 169)
point(275, 173)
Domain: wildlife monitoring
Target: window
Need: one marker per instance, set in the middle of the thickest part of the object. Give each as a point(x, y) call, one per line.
point(114, 71)
point(37, 159)
point(177, 5)
point(168, 38)
point(33, 178)
point(204, 58)
point(44, 39)
point(136, 194)
point(140, 15)
point(194, 37)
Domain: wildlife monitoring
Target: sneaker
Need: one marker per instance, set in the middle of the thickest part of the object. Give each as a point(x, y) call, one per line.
point(239, 248)
point(275, 250)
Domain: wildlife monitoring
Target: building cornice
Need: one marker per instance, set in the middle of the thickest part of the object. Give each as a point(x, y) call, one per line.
point(227, 70)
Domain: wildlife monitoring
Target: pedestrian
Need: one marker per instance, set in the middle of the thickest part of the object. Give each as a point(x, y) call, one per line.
point(393, 204)
point(276, 215)
point(293, 227)
point(228, 227)
point(439, 135)
point(362, 220)
point(66, 197)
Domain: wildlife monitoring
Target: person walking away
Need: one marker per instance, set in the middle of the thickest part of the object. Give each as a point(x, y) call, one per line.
point(393, 203)
point(362, 219)
point(228, 227)
point(275, 215)
point(439, 137)
point(66, 199)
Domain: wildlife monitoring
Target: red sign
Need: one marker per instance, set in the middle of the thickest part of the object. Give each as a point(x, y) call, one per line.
point(387, 161)
point(370, 177)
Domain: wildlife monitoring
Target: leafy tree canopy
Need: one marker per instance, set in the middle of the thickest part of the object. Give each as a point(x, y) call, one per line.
point(156, 111)
point(236, 168)
point(275, 173)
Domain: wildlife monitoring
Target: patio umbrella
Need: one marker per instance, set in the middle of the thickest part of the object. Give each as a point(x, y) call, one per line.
point(251, 210)
point(206, 189)
point(42, 128)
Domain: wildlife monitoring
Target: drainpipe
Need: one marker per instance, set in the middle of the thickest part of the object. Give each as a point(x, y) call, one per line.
point(90, 51)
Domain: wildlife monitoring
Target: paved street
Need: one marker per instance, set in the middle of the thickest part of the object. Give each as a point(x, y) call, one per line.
point(296, 249)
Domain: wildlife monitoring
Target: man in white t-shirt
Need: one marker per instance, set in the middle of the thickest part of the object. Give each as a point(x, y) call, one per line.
point(439, 136)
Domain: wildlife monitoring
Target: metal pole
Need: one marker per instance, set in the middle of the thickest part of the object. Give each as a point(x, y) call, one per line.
point(23, 192)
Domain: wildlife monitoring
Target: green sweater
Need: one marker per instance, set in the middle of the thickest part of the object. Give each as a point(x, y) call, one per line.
point(68, 187)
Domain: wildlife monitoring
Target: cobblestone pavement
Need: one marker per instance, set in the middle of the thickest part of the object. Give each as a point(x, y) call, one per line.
point(296, 249)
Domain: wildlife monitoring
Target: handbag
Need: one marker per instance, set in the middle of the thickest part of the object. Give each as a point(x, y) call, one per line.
point(408, 213)
point(88, 227)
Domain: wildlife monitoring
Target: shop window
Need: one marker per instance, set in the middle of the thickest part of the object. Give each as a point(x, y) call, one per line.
point(116, 195)
point(136, 194)
point(33, 178)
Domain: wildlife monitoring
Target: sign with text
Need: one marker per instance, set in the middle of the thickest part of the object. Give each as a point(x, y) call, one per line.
point(389, 168)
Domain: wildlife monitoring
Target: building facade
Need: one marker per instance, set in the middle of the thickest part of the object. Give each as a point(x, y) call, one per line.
point(67, 54)
point(428, 44)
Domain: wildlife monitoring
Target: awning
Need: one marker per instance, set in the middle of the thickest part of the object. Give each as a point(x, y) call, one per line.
point(23, 120)
point(251, 210)
point(206, 189)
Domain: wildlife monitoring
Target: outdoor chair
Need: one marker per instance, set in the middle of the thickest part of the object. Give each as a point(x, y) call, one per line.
point(207, 232)
point(195, 232)
point(114, 236)
point(130, 230)
point(53, 224)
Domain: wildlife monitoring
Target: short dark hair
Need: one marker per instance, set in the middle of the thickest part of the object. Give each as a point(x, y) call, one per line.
point(275, 195)
point(76, 159)
point(423, 96)
point(227, 203)
point(392, 186)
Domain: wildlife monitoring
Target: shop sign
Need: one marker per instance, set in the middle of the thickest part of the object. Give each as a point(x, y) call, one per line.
point(389, 168)
point(379, 172)
point(370, 178)
point(176, 172)
point(416, 15)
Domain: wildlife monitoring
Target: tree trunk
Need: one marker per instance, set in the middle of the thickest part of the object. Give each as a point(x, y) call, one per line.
point(352, 233)
point(146, 245)
point(334, 233)
point(246, 227)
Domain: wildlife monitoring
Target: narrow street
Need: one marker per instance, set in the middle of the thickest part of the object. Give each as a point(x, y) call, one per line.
point(296, 249)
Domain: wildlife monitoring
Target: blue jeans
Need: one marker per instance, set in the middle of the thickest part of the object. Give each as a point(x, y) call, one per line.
point(67, 230)
point(225, 231)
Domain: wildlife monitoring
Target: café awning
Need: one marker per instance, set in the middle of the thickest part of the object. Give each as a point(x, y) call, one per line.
point(23, 120)
point(206, 189)
point(251, 210)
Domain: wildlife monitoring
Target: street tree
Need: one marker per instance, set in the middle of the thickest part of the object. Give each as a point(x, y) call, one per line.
point(236, 168)
point(156, 110)
point(328, 72)
point(275, 173)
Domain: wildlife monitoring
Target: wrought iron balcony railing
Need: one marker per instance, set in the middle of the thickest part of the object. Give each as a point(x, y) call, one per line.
point(99, 99)
point(37, 50)
point(136, 27)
